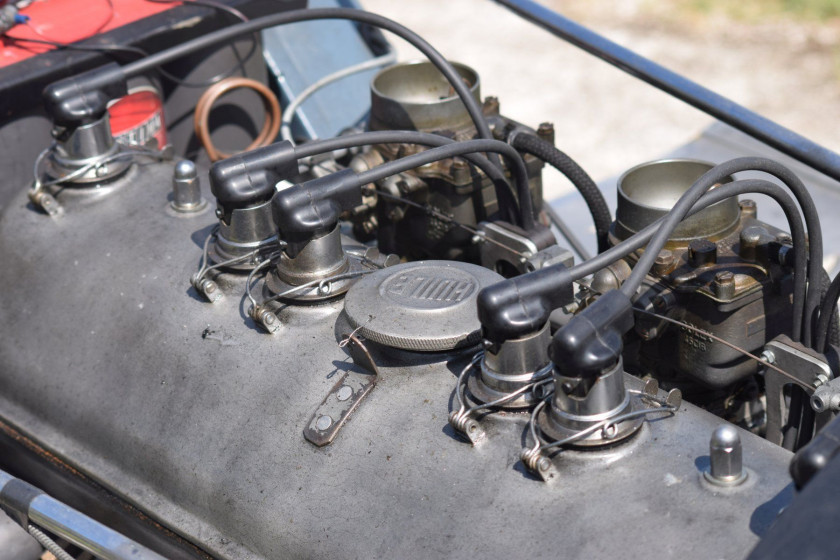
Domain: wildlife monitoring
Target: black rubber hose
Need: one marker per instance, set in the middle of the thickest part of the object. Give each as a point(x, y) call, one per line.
point(828, 326)
point(508, 206)
point(536, 146)
point(827, 331)
point(518, 168)
point(719, 173)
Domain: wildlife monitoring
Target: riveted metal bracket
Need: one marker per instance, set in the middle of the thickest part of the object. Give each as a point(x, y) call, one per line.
point(344, 397)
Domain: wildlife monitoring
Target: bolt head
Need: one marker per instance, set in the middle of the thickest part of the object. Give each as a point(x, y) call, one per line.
point(768, 356)
point(664, 262)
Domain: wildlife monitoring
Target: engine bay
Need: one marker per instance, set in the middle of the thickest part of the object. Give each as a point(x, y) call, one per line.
point(388, 342)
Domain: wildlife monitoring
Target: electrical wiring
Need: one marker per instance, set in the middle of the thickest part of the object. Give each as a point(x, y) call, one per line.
point(141, 53)
point(457, 149)
point(828, 309)
point(718, 174)
point(240, 60)
point(291, 109)
point(508, 205)
point(727, 190)
point(294, 16)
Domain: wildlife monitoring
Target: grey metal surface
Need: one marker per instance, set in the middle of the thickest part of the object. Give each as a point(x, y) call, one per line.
point(648, 191)
point(510, 367)
point(426, 306)
point(189, 411)
point(416, 96)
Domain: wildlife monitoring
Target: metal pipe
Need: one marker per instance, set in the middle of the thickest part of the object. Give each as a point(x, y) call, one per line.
point(22, 500)
point(723, 109)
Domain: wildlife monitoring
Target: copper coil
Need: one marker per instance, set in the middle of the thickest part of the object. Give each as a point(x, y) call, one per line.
point(271, 125)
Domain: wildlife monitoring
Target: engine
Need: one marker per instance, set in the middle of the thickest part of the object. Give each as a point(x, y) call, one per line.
point(381, 343)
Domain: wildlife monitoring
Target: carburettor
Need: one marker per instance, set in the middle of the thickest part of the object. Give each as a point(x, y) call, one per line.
point(721, 273)
point(416, 96)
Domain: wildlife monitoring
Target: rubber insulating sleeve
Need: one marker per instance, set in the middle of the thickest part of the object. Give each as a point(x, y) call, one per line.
point(537, 147)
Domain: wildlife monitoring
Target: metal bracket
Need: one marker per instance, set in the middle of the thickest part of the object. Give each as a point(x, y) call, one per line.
point(344, 397)
point(46, 202)
point(499, 244)
point(207, 288)
point(265, 318)
point(808, 369)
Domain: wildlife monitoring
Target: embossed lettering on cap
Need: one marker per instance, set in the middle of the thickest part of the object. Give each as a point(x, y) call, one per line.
point(426, 306)
point(430, 287)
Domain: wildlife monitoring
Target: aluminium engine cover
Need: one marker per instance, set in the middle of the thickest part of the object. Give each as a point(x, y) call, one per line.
point(426, 306)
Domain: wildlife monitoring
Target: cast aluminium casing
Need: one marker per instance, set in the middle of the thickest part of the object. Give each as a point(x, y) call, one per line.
point(190, 412)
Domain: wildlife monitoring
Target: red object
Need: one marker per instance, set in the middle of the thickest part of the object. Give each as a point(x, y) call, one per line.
point(138, 117)
point(68, 21)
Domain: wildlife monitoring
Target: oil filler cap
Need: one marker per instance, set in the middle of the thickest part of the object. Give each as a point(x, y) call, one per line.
point(426, 306)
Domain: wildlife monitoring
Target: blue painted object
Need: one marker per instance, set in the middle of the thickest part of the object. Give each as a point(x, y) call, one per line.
point(296, 60)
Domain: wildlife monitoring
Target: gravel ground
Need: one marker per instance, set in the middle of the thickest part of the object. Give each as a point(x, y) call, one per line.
point(604, 118)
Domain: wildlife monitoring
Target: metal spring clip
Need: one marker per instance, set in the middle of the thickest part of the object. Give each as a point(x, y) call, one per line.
point(541, 465)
